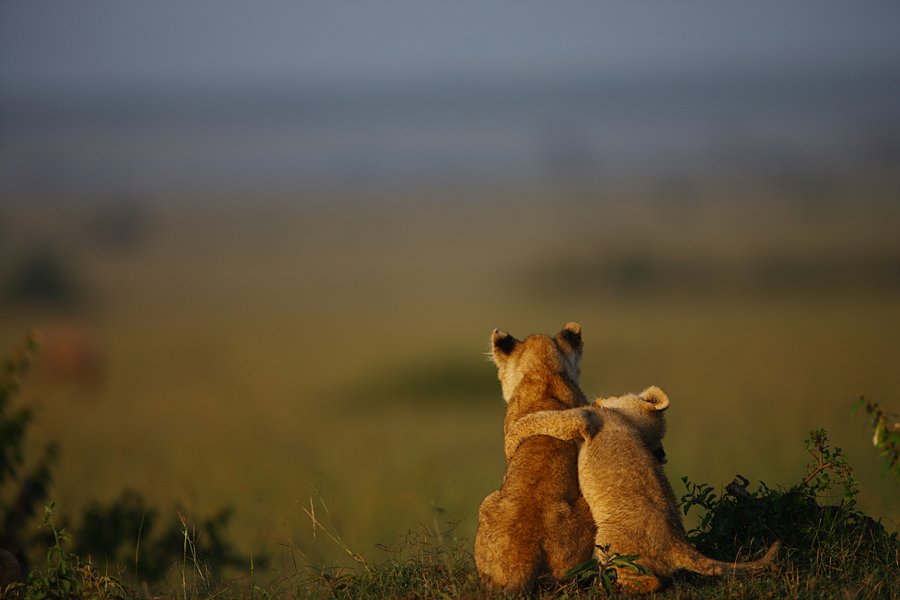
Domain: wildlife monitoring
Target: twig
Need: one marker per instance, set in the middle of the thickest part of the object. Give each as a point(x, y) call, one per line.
point(816, 471)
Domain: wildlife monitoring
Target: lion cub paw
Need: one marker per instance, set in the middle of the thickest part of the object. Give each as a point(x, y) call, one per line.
point(590, 423)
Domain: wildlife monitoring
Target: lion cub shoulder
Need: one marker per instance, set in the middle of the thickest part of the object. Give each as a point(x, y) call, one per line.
point(537, 525)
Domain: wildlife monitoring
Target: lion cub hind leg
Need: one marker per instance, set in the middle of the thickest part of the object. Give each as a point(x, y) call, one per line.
point(509, 576)
point(566, 523)
point(574, 423)
point(503, 553)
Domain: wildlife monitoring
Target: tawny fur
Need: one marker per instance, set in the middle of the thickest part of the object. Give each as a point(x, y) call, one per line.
point(623, 482)
point(537, 525)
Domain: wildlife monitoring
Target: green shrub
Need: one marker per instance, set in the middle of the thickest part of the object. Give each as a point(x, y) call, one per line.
point(68, 576)
point(23, 483)
point(827, 539)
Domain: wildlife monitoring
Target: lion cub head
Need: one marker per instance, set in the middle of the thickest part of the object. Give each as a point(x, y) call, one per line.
point(645, 412)
point(536, 355)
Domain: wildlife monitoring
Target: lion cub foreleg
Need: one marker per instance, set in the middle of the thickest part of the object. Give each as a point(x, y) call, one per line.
point(571, 424)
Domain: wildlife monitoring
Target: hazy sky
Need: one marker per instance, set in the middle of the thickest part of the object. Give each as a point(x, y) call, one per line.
point(96, 45)
point(798, 80)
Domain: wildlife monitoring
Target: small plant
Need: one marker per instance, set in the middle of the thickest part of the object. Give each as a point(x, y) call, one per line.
point(68, 576)
point(605, 570)
point(886, 438)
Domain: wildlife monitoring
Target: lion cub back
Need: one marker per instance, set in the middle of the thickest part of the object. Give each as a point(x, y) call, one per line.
point(537, 525)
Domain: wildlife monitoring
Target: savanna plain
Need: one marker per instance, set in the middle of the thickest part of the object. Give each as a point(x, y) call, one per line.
point(323, 352)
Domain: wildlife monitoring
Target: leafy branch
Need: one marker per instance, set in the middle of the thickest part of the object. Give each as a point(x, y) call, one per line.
point(827, 461)
point(886, 437)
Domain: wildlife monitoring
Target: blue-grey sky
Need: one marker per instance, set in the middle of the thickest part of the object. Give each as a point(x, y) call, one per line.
point(91, 45)
point(138, 95)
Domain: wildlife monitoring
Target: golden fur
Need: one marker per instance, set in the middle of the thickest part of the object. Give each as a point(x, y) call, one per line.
point(624, 484)
point(537, 525)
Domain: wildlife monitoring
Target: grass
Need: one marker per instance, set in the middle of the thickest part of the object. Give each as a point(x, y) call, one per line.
point(832, 550)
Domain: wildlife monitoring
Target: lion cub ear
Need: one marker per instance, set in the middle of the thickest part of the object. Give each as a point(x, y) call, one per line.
point(503, 342)
point(655, 397)
point(571, 335)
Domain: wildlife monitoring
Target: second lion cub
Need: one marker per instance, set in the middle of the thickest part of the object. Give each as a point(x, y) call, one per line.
point(622, 480)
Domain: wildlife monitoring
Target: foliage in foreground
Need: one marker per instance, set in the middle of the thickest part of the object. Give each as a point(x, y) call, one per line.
point(831, 547)
point(68, 576)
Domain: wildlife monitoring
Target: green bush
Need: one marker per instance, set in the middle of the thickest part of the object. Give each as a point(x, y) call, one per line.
point(827, 539)
point(23, 483)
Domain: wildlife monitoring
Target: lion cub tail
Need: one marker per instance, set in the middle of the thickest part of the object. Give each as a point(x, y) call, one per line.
point(692, 560)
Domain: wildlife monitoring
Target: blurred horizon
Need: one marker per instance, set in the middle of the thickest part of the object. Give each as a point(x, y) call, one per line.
point(288, 138)
point(138, 99)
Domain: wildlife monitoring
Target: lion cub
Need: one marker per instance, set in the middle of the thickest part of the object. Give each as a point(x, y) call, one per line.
point(537, 525)
point(622, 480)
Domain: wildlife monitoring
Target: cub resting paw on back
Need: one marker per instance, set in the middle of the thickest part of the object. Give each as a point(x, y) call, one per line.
point(537, 525)
point(621, 477)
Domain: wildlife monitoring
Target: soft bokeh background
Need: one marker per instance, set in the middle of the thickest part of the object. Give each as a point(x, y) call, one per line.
point(267, 244)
